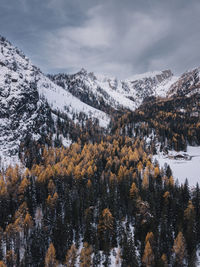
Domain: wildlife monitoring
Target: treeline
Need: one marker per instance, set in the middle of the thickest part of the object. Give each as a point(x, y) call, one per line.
point(174, 122)
point(87, 204)
point(59, 128)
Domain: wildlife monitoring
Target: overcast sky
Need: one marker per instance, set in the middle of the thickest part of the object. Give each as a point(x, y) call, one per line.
point(113, 37)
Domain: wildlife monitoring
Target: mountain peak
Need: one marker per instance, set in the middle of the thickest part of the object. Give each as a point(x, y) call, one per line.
point(188, 83)
point(82, 72)
point(160, 75)
point(24, 94)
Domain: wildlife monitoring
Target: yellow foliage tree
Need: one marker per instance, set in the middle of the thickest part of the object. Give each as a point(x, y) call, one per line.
point(140, 167)
point(148, 256)
point(156, 171)
point(28, 222)
point(71, 256)
point(50, 258)
point(89, 184)
point(3, 188)
point(23, 185)
point(2, 264)
point(179, 248)
point(133, 191)
point(51, 200)
point(145, 181)
point(107, 219)
point(77, 172)
point(150, 238)
point(164, 260)
point(85, 256)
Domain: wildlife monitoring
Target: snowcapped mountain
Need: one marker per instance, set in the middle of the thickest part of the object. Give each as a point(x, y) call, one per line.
point(27, 98)
point(21, 109)
point(149, 84)
point(110, 93)
point(187, 85)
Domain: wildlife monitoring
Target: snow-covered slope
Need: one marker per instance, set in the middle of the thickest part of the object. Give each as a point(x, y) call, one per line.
point(104, 93)
point(22, 112)
point(149, 84)
point(61, 100)
point(183, 164)
point(25, 96)
point(99, 92)
point(187, 85)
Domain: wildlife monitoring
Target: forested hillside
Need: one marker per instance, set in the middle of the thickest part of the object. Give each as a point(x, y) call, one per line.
point(87, 190)
point(97, 204)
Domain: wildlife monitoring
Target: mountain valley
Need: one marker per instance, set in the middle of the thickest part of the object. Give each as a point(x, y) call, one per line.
point(89, 173)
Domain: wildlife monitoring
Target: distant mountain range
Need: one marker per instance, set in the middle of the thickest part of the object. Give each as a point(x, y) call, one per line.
point(31, 101)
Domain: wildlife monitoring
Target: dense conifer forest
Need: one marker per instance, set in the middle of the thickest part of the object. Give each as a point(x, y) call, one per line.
point(88, 190)
point(101, 198)
point(94, 166)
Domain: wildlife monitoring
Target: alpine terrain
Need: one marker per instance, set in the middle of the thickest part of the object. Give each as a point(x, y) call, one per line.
point(93, 168)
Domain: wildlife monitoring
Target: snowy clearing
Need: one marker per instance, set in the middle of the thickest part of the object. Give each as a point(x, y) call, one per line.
point(187, 164)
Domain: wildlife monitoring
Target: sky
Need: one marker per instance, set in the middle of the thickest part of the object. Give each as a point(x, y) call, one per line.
point(113, 37)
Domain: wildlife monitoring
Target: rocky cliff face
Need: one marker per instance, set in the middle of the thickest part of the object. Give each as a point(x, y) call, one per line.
point(110, 94)
point(22, 112)
point(27, 98)
point(188, 84)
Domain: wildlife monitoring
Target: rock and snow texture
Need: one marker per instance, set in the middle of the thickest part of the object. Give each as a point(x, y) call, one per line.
point(187, 85)
point(101, 91)
point(183, 164)
point(21, 110)
point(61, 100)
point(24, 91)
point(27, 95)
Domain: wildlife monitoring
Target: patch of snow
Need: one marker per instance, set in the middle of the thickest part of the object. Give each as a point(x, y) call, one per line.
point(65, 141)
point(117, 94)
point(60, 100)
point(6, 160)
point(163, 88)
point(128, 94)
point(198, 258)
point(185, 166)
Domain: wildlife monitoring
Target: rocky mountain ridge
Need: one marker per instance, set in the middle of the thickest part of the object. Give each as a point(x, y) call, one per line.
point(30, 100)
point(112, 94)
point(27, 100)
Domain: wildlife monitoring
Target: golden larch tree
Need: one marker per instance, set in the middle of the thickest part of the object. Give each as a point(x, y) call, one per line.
point(164, 260)
point(50, 258)
point(179, 249)
point(71, 256)
point(2, 264)
point(85, 256)
point(148, 256)
point(133, 191)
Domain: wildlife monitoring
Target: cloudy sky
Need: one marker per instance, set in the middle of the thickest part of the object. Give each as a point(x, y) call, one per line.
point(113, 37)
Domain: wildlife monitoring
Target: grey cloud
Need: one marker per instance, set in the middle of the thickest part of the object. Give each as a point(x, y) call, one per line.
point(116, 37)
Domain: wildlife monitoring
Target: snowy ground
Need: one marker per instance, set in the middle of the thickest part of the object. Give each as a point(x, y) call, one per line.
point(6, 161)
point(183, 168)
point(198, 258)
